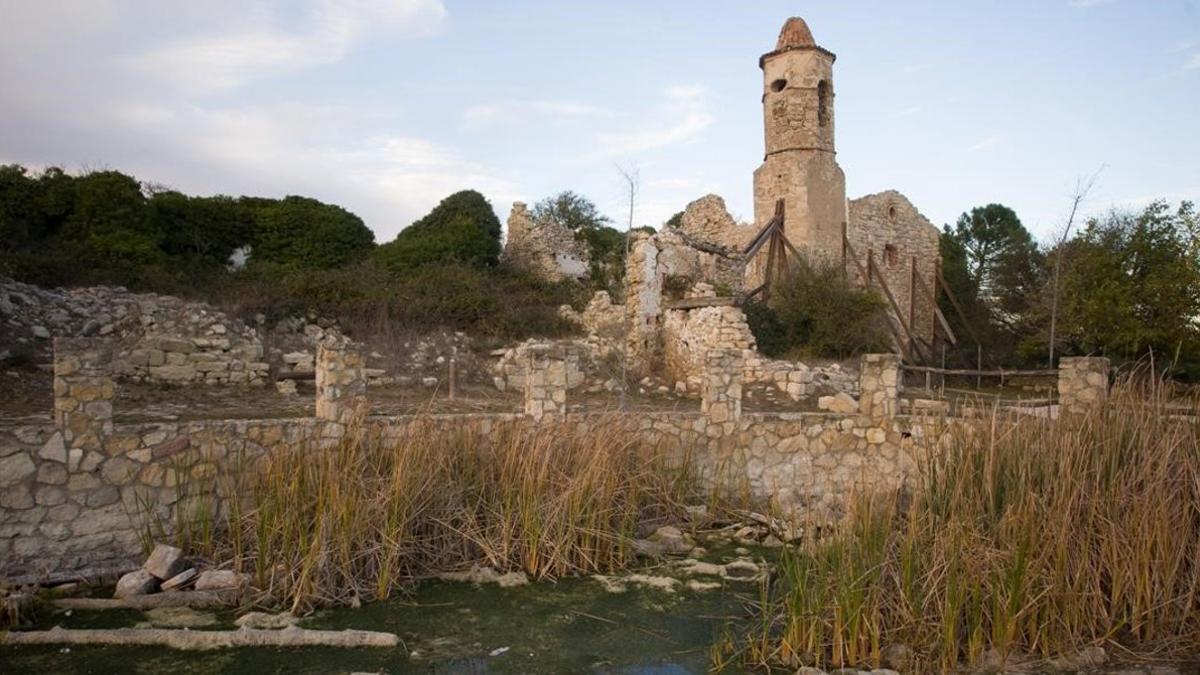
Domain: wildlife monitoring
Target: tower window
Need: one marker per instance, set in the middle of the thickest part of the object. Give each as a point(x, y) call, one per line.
point(778, 85)
point(891, 213)
point(823, 103)
point(890, 255)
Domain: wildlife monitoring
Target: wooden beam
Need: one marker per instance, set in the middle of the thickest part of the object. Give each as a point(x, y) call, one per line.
point(907, 337)
point(980, 373)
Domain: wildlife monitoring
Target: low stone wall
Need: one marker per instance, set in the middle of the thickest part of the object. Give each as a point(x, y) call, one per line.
point(76, 497)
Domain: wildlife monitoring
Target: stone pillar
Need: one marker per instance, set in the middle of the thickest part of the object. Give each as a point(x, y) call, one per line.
point(1082, 383)
point(545, 382)
point(879, 385)
point(341, 383)
point(83, 391)
point(721, 386)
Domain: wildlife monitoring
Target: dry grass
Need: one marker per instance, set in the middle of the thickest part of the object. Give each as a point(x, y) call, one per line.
point(1028, 537)
point(364, 518)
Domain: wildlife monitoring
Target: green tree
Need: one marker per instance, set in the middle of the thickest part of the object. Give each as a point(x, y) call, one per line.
point(572, 211)
point(304, 233)
point(109, 228)
point(1002, 258)
point(1131, 284)
point(462, 228)
point(203, 231)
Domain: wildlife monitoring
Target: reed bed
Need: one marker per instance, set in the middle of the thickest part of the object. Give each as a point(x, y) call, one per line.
point(364, 518)
point(1023, 540)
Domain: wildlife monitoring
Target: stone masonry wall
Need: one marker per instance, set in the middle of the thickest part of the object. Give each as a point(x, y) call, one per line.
point(543, 246)
point(889, 228)
point(67, 514)
point(546, 382)
point(1082, 383)
point(879, 385)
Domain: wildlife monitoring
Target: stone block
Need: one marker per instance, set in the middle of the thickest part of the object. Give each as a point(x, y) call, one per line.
point(219, 580)
point(165, 561)
point(137, 582)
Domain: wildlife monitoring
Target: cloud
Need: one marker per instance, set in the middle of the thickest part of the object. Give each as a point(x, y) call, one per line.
point(683, 115)
point(327, 30)
point(1085, 4)
point(909, 111)
point(1193, 63)
point(985, 143)
point(506, 111)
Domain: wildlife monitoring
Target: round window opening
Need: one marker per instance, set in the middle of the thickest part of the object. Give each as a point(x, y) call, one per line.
point(778, 85)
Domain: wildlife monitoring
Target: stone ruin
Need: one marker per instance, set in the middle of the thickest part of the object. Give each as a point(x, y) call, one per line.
point(683, 282)
point(544, 247)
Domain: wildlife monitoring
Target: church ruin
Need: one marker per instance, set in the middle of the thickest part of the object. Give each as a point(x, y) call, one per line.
point(686, 282)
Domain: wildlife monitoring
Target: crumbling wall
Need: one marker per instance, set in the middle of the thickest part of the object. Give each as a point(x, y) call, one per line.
point(544, 247)
point(887, 227)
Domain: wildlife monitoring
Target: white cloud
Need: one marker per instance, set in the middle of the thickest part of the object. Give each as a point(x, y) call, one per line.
point(683, 115)
point(327, 30)
point(1085, 4)
point(984, 143)
point(507, 111)
point(1193, 63)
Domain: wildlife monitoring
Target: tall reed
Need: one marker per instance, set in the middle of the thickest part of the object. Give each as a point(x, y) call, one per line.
point(366, 516)
point(1029, 537)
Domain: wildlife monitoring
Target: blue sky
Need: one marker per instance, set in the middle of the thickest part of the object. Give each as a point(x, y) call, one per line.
point(385, 107)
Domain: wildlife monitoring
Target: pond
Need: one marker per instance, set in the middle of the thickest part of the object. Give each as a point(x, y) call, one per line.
point(569, 626)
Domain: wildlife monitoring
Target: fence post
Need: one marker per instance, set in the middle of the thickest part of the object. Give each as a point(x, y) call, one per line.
point(83, 391)
point(879, 385)
point(545, 383)
point(1082, 383)
point(721, 388)
point(341, 383)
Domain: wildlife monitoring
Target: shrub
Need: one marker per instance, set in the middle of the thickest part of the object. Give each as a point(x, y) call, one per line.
point(821, 313)
point(368, 299)
point(769, 332)
point(304, 233)
point(462, 228)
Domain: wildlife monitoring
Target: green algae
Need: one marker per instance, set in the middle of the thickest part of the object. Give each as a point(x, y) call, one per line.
point(569, 626)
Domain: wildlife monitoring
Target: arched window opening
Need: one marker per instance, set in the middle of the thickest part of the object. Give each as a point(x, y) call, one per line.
point(823, 103)
point(778, 85)
point(890, 255)
point(891, 213)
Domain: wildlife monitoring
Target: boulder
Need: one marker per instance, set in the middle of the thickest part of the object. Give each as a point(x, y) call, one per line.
point(219, 580)
point(842, 403)
point(137, 582)
point(165, 561)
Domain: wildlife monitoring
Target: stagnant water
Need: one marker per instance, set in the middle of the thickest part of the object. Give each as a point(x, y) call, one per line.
point(572, 626)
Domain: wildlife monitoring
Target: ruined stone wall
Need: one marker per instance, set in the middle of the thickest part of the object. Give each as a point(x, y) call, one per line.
point(707, 222)
point(544, 247)
point(690, 334)
point(75, 505)
point(887, 227)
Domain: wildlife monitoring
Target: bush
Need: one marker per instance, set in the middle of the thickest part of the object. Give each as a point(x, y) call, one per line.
point(463, 228)
point(369, 299)
point(769, 332)
point(304, 233)
point(816, 312)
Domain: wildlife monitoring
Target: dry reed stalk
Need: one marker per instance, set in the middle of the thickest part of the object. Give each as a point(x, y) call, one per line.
point(1033, 538)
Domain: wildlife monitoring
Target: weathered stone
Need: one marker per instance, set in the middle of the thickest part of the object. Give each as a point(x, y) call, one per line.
point(180, 580)
point(841, 403)
point(216, 580)
point(165, 561)
point(15, 468)
point(137, 582)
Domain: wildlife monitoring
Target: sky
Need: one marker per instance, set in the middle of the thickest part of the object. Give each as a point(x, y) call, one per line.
point(387, 106)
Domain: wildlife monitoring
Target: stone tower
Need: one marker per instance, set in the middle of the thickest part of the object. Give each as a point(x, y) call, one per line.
point(800, 166)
